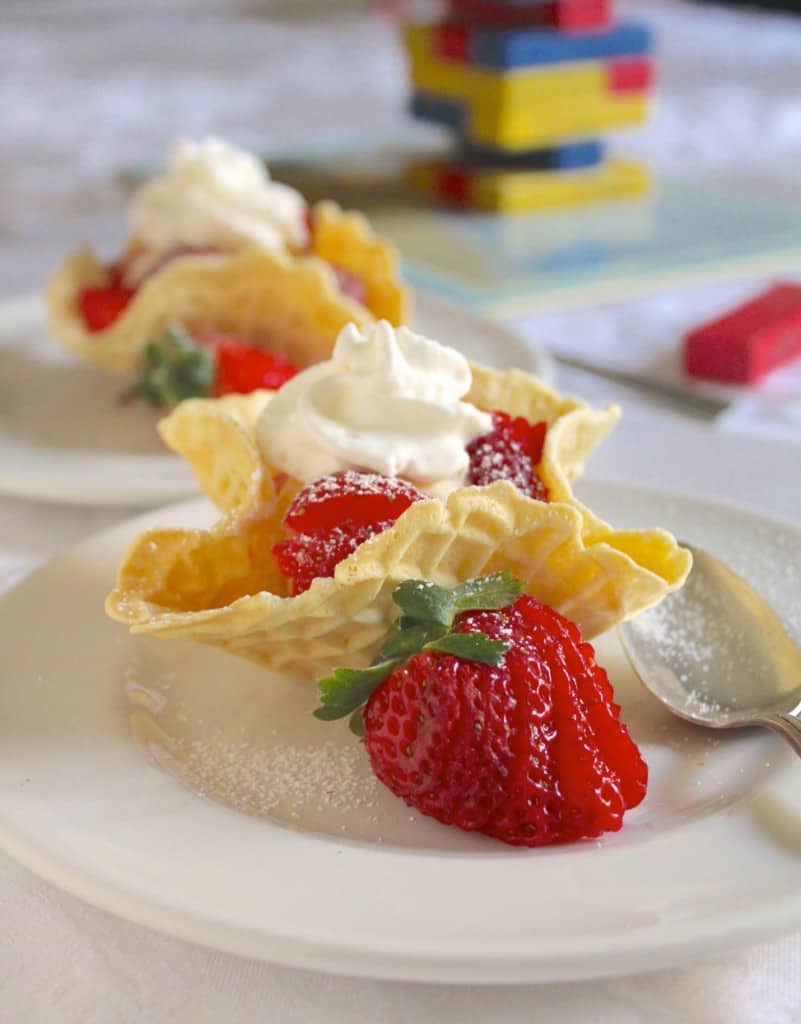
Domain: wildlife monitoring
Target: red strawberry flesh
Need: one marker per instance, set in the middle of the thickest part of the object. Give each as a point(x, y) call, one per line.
point(100, 307)
point(306, 557)
point(243, 368)
point(531, 751)
point(510, 451)
point(361, 498)
point(332, 516)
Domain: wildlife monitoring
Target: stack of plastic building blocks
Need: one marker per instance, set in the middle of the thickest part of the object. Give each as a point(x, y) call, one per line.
point(528, 87)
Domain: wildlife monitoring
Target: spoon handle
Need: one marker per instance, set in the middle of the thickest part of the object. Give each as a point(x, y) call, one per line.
point(787, 726)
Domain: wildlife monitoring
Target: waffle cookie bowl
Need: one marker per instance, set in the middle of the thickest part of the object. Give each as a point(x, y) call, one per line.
point(290, 303)
point(223, 588)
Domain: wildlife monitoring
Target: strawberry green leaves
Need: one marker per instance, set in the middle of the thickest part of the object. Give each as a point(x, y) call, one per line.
point(423, 601)
point(349, 688)
point(470, 647)
point(174, 368)
point(427, 617)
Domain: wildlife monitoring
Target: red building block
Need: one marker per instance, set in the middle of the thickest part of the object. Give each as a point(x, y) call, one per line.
point(743, 345)
point(581, 15)
point(453, 185)
point(631, 75)
point(452, 41)
point(568, 15)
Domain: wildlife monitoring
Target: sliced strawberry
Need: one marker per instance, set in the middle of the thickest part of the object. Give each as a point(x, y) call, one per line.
point(530, 435)
point(512, 749)
point(332, 516)
point(360, 498)
point(242, 368)
point(100, 307)
point(485, 710)
point(306, 557)
point(511, 451)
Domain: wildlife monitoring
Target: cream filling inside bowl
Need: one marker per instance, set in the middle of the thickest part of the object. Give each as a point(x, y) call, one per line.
point(388, 401)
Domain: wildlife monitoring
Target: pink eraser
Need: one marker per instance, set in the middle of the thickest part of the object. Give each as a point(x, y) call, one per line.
point(743, 345)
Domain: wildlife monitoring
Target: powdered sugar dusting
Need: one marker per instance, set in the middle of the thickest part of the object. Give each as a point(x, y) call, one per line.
point(285, 781)
point(337, 485)
point(503, 455)
point(676, 634)
point(489, 463)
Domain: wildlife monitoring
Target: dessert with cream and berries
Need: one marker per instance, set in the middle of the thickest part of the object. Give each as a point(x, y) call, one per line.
point(396, 459)
point(401, 523)
point(218, 248)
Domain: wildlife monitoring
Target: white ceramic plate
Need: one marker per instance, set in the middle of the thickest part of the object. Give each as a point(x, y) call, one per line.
point(338, 874)
point(64, 437)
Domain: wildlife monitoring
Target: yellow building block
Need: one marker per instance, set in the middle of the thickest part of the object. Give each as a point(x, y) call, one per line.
point(525, 109)
point(460, 81)
point(531, 191)
point(554, 122)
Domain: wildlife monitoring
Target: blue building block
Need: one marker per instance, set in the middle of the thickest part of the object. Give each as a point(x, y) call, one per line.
point(434, 108)
point(570, 157)
point(519, 48)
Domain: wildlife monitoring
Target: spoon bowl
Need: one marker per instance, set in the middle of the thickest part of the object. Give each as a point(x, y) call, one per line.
point(717, 654)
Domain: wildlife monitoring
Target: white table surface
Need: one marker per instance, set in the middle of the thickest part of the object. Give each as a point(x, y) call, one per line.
point(69, 122)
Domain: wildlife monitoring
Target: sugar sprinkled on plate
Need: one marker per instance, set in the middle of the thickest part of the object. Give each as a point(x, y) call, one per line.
point(283, 778)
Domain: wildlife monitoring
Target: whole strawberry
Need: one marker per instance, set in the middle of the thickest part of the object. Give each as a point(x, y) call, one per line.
point(486, 711)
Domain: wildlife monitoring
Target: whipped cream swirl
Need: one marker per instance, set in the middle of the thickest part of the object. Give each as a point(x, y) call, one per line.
point(388, 401)
point(214, 196)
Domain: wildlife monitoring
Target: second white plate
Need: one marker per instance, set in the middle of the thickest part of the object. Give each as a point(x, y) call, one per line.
point(65, 438)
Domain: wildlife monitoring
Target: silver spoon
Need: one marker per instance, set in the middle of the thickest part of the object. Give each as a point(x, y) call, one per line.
point(717, 654)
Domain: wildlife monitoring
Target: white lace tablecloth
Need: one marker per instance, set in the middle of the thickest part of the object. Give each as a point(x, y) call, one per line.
point(88, 93)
